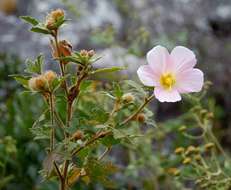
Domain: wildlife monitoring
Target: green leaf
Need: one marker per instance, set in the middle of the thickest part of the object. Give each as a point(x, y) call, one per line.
point(41, 132)
point(30, 20)
point(85, 85)
point(72, 59)
point(40, 29)
point(117, 90)
point(23, 80)
point(136, 86)
point(48, 163)
point(99, 172)
point(59, 22)
point(110, 141)
point(108, 70)
point(35, 66)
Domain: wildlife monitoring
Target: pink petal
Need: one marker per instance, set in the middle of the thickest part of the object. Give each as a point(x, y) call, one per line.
point(146, 76)
point(157, 58)
point(167, 95)
point(183, 58)
point(190, 81)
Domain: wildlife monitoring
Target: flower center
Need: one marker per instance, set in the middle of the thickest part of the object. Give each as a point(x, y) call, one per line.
point(167, 81)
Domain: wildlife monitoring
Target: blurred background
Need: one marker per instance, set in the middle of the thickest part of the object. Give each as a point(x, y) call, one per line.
point(122, 31)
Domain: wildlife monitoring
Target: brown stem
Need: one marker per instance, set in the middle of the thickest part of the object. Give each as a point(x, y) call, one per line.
point(52, 138)
point(91, 141)
point(60, 61)
point(131, 117)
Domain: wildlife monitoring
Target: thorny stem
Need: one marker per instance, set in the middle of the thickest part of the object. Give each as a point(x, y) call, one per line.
point(131, 117)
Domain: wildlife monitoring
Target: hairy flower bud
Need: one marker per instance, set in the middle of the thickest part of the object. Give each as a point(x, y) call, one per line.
point(77, 135)
point(38, 83)
point(53, 17)
point(128, 97)
point(84, 53)
point(50, 76)
point(141, 117)
point(91, 53)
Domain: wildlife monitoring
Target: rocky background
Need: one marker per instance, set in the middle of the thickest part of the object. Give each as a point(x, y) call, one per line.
point(123, 30)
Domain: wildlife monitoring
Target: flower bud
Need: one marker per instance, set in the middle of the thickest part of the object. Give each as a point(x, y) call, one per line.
point(84, 53)
point(91, 53)
point(50, 76)
point(197, 157)
point(179, 150)
point(77, 135)
point(141, 117)
point(53, 17)
point(127, 98)
point(187, 160)
point(209, 146)
point(191, 150)
point(38, 83)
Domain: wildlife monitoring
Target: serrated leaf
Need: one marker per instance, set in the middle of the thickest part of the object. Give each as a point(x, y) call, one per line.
point(108, 70)
point(30, 20)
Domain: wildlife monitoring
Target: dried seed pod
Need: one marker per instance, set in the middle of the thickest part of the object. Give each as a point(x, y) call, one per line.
point(65, 48)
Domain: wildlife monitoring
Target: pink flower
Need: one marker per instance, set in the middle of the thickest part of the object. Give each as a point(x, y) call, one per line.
point(171, 74)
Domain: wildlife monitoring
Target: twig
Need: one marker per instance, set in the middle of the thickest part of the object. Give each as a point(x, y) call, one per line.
point(146, 101)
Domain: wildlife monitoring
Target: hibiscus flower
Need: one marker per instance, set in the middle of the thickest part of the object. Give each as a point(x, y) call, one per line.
point(171, 74)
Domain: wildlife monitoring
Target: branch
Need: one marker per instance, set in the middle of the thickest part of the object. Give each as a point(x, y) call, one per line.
point(146, 101)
